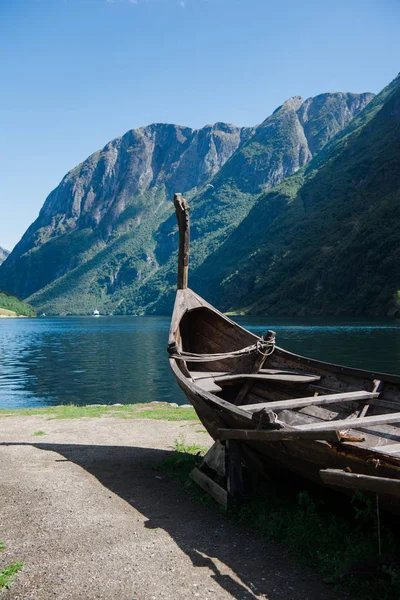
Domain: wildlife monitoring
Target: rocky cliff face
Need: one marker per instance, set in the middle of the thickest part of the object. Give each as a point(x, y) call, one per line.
point(159, 156)
point(3, 254)
point(112, 192)
point(105, 237)
point(279, 147)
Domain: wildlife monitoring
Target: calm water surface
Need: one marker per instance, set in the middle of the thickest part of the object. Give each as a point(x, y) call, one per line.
point(123, 359)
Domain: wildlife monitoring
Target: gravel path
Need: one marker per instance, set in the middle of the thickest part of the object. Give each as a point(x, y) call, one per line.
point(87, 511)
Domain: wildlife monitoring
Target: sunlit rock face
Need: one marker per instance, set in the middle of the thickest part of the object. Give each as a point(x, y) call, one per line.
point(3, 254)
point(106, 234)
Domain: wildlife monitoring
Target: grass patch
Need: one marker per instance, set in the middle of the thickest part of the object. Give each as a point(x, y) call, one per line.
point(323, 530)
point(8, 575)
point(127, 411)
point(39, 433)
point(184, 459)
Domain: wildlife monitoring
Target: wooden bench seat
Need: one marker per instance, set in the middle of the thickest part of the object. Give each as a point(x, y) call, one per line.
point(312, 400)
point(210, 381)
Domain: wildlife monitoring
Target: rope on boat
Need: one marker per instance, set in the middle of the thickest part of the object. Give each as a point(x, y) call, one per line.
point(263, 347)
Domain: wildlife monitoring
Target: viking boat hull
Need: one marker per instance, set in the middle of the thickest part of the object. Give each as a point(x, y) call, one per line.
point(334, 425)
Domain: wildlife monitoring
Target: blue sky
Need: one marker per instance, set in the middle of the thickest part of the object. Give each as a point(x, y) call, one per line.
point(76, 73)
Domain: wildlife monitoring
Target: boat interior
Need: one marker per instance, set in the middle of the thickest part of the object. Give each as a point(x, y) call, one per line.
point(302, 392)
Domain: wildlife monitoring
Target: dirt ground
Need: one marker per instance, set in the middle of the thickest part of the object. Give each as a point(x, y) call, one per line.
point(87, 510)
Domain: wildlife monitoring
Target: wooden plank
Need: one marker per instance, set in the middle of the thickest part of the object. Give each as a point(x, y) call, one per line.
point(210, 486)
point(273, 377)
point(208, 384)
point(196, 375)
point(234, 476)
point(180, 307)
point(312, 400)
point(277, 435)
point(378, 385)
point(258, 363)
point(388, 449)
point(182, 215)
point(212, 326)
point(346, 424)
point(358, 481)
point(287, 372)
point(215, 459)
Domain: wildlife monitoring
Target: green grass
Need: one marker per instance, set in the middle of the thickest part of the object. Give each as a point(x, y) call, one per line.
point(12, 305)
point(183, 460)
point(127, 411)
point(39, 433)
point(8, 575)
point(317, 529)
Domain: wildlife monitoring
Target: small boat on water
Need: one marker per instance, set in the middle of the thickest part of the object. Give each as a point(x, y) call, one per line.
point(96, 313)
point(334, 425)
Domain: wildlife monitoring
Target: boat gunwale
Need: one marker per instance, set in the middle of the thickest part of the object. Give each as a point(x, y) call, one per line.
point(334, 367)
point(338, 447)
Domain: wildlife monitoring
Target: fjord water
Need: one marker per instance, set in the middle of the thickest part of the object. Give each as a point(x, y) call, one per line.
point(109, 360)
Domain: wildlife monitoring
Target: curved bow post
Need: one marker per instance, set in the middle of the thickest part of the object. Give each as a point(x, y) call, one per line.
point(182, 215)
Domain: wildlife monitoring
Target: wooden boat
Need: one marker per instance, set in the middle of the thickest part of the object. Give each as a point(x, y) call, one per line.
point(334, 425)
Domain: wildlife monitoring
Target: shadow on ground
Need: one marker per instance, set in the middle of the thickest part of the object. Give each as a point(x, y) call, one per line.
point(204, 534)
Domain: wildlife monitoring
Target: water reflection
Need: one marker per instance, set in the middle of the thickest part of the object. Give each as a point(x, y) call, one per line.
point(85, 361)
point(123, 359)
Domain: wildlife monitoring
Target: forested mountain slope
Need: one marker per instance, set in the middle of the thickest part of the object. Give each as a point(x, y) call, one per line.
point(10, 306)
point(326, 240)
point(105, 238)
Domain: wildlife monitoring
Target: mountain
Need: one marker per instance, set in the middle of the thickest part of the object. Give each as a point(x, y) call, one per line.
point(106, 237)
point(98, 223)
point(3, 254)
point(326, 240)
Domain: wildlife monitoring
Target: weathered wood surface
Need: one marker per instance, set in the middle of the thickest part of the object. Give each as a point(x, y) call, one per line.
point(358, 423)
point(258, 363)
point(312, 400)
point(185, 300)
point(378, 385)
point(215, 459)
point(234, 476)
point(208, 384)
point(196, 375)
point(388, 448)
point(357, 481)
point(210, 486)
point(292, 378)
point(182, 215)
point(277, 435)
point(286, 372)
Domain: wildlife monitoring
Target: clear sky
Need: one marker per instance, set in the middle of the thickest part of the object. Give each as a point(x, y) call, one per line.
point(75, 74)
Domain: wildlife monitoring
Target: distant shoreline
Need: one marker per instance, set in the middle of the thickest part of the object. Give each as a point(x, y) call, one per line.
point(15, 317)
